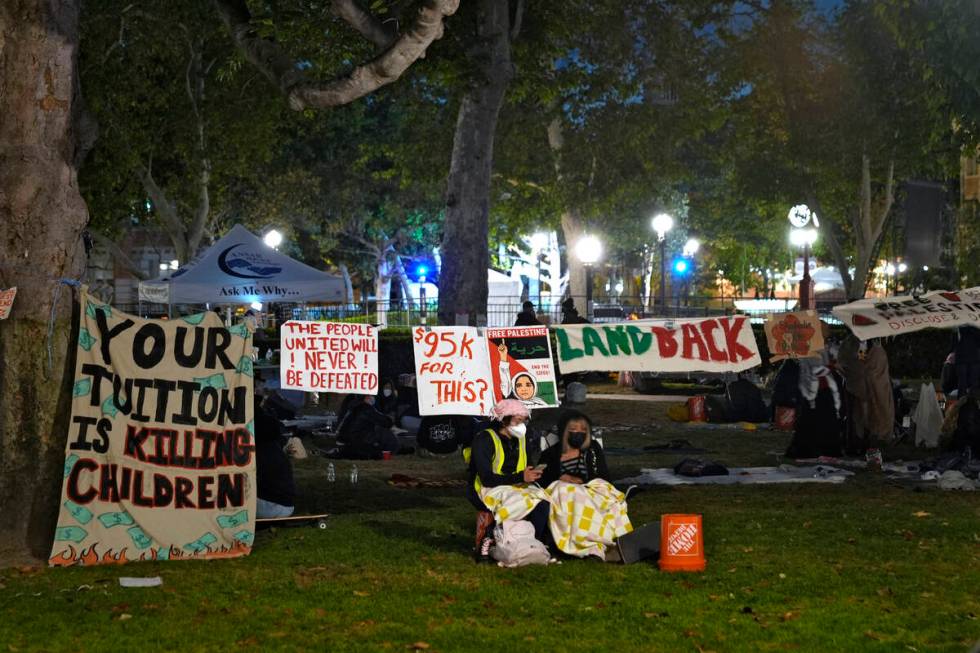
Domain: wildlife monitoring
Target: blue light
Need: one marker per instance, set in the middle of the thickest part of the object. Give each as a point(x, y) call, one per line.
point(421, 270)
point(680, 266)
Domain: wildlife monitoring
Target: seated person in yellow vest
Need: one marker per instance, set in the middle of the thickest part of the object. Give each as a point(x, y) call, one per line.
point(500, 475)
point(276, 491)
point(587, 512)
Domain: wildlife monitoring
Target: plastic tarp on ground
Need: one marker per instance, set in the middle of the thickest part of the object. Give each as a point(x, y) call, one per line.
point(241, 269)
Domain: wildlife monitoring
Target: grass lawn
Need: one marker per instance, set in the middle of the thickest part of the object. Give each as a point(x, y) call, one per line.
point(866, 565)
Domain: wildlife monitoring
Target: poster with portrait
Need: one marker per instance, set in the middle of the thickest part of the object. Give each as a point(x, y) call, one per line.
point(521, 366)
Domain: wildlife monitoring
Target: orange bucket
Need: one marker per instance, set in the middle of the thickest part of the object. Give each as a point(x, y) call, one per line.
point(695, 408)
point(681, 543)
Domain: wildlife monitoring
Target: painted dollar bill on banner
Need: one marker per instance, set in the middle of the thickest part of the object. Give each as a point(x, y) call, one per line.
point(714, 344)
point(159, 463)
point(521, 366)
point(892, 316)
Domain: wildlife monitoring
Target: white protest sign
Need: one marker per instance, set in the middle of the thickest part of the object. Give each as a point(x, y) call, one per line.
point(890, 316)
point(329, 357)
point(452, 369)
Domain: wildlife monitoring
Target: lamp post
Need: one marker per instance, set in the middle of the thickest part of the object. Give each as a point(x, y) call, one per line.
point(802, 236)
point(423, 314)
point(588, 249)
point(662, 223)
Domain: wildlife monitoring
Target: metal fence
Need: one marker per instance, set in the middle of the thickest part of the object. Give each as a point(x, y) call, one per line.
point(498, 314)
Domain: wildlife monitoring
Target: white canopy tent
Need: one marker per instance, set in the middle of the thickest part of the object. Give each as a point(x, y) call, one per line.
point(503, 297)
point(241, 269)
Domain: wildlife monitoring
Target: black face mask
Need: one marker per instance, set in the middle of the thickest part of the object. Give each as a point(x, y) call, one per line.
point(576, 439)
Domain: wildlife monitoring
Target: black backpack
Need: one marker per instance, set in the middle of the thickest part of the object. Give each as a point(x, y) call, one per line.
point(747, 404)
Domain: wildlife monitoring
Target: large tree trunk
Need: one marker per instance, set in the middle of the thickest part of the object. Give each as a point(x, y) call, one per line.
point(465, 253)
point(572, 230)
point(42, 216)
point(867, 224)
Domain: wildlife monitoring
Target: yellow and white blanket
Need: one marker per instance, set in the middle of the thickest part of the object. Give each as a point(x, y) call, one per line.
point(512, 501)
point(585, 519)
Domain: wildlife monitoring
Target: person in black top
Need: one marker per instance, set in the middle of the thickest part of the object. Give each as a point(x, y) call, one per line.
point(576, 458)
point(527, 316)
point(443, 434)
point(276, 490)
point(364, 432)
point(570, 314)
point(387, 401)
point(966, 350)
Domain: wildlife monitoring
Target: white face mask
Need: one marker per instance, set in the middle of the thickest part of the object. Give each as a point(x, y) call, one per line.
point(386, 392)
point(520, 430)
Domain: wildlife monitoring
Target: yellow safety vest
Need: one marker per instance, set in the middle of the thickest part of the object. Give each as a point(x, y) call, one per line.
point(498, 457)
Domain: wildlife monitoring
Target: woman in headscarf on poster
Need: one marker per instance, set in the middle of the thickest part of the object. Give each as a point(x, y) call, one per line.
point(517, 384)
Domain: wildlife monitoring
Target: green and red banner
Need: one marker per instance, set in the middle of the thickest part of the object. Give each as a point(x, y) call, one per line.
point(714, 344)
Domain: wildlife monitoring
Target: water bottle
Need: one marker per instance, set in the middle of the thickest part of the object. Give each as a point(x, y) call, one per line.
point(353, 475)
point(331, 473)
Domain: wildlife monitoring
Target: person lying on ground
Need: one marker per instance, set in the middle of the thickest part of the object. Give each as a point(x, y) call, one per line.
point(500, 478)
point(276, 490)
point(365, 433)
point(587, 512)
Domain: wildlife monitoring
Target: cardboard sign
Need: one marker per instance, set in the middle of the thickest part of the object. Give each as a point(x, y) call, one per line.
point(714, 344)
point(452, 368)
point(794, 335)
point(329, 357)
point(6, 301)
point(943, 309)
point(159, 462)
point(521, 366)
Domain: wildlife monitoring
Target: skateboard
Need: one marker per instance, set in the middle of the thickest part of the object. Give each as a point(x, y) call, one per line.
point(319, 521)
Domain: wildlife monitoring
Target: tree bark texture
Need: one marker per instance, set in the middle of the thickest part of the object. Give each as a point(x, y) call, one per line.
point(573, 229)
point(465, 253)
point(571, 222)
point(42, 216)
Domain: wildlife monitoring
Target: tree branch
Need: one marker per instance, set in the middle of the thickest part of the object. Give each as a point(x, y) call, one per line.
point(515, 26)
point(268, 57)
point(118, 255)
point(866, 238)
point(363, 21)
point(827, 229)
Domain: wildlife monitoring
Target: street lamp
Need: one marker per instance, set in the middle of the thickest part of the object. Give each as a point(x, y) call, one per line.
point(691, 247)
point(423, 312)
point(273, 238)
point(588, 250)
point(662, 223)
point(803, 237)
